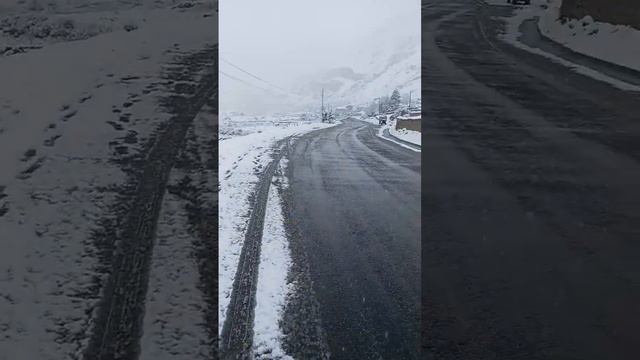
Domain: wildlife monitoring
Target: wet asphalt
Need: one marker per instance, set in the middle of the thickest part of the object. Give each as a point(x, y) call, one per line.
point(531, 203)
point(355, 202)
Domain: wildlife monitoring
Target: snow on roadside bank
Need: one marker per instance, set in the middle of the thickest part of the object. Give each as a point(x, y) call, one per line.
point(381, 134)
point(547, 16)
point(617, 44)
point(414, 137)
point(241, 160)
point(275, 261)
point(176, 319)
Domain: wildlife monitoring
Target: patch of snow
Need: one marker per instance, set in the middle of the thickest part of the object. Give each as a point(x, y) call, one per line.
point(617, 44)
point(282, 169)
point(71, 22)
point(232, 125)
point(388, 138)
point(174, 320)
point(414, 137)
point(275, 261)
point(241, 159)
point(585, 44)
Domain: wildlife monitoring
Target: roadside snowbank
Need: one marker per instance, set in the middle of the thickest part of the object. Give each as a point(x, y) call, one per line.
point(552, 28)
point(383, 133)
point(414, 137)
point(273, 289)
point(176, 318)
point(617, 44)
point(241, 160)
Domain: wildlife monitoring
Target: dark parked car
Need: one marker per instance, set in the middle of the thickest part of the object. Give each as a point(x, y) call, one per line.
point(526, 2)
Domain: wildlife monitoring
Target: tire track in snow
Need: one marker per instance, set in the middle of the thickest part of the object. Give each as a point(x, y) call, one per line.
point(117, 331)
point(237, 331)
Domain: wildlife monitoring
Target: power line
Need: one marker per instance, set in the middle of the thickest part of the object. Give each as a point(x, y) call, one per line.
point(254, 76)
point(287, 93)
point(244, 82)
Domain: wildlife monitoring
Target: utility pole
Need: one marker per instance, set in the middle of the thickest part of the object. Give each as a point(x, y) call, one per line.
point(409, 100)
point(322, 108)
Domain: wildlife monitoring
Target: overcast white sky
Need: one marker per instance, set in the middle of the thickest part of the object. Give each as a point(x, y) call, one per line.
point(282, 40)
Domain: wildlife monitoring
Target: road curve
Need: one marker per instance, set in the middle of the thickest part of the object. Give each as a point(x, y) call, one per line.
point(397, 140)
point(355, 202)
point(531, 200)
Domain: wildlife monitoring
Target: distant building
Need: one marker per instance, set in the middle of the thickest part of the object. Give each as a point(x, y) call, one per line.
point(410, 121)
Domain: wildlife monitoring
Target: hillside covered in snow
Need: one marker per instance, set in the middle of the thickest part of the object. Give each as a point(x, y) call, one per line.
point(389, 59)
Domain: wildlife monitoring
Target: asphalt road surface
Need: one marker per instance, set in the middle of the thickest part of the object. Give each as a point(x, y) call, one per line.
point(356, 205)
point(531, 201)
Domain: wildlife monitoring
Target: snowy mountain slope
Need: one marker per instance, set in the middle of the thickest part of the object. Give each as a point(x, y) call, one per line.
point(388, 59)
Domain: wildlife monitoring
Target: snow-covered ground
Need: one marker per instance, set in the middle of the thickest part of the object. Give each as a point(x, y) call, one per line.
point(69, 111)
point(68, 20)
point(273, 289)
point(409, 136)
point(233, 125)
point(175, 319)
point(617, 44)
point(414, 137)
point(613, 43)
point(245, 150)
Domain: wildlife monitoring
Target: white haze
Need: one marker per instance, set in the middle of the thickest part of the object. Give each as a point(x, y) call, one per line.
point(284, 41)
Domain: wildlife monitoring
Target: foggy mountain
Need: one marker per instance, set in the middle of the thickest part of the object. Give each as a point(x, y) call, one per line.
point(388, 59)
point(364, 50)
